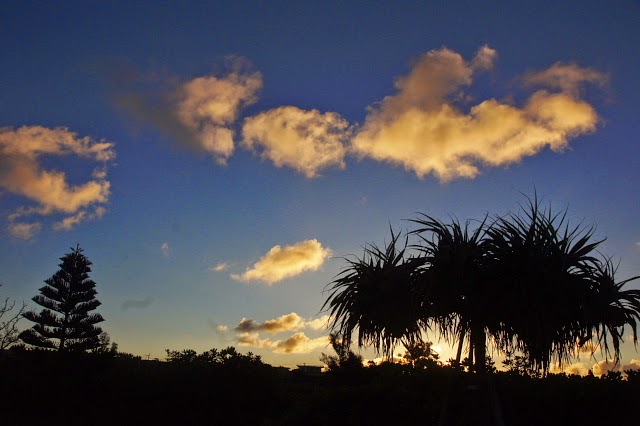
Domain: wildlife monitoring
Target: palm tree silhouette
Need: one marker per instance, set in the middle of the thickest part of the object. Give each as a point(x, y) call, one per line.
point(525, 282)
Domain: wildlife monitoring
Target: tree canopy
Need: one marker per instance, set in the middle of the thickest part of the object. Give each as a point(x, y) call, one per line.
point(526, 282)
point(65, 323)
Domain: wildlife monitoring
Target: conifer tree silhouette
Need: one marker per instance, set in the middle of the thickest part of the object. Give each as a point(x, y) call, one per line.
point(65, 323)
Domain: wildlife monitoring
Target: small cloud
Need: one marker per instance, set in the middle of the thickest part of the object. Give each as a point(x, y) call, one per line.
point(288, 322)
point(286, 262)
point(222, 328)
point(138, 304)
point(219, 267)
point(298, 343)
point(24, 231)
point(568, 78)
point(634, 364)
point(307, 141)
point(362, 201)
point(165, 249)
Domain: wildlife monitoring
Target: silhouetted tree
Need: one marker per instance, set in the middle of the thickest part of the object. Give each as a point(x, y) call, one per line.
point(525, 283)
point(344, 358)
point(420, 356)
point(9, 322)
point(65, 323)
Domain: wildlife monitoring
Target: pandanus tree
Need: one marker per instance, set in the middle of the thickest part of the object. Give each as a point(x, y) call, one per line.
point(525, 282)
point(377, 296)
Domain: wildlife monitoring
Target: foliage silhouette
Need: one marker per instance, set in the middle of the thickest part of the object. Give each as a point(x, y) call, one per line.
point(527, 283)
point(9, 322)
point(67, 299)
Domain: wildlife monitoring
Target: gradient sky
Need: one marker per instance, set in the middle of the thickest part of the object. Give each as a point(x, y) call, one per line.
point(217, 160)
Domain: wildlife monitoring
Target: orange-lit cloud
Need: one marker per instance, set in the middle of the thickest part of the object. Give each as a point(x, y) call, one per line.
point(288, 322)
point(634, 364)
point(307, 141)
point(21, 173)
point(299, 343)
point(199, 113)
point(422, 129)
point(577, 368)
point(603, 367)
point(285, 262)
point(567, 78)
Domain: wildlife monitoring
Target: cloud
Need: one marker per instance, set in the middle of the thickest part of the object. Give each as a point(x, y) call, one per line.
point(568, 78)
point(199, 113)
point(422, 129)
point(24, 231)
point(298, 343)
point(577, 368)
point(22, 174)
point(634, 364)
point(288, 322)
point(286, 262)
point(603, 367)
point(165, 249)
point(307, 141)
point(219, 267)
point(138, 304)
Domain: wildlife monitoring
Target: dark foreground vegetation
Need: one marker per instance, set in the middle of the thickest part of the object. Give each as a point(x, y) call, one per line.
point(46, 387)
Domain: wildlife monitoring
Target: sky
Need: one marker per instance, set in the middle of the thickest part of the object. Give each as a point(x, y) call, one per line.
point(217, 161)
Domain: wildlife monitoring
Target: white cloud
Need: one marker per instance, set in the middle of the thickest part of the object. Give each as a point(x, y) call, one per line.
point(307, 141)
point(219, 267)
point(422, 129)
point(299, 343)
point(165, 249)
point(21, 173)
point(286, 262)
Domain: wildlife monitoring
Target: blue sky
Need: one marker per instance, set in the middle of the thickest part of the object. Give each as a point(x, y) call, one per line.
point(216, 161)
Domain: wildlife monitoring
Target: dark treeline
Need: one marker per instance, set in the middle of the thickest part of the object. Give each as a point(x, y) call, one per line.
point(50, 387)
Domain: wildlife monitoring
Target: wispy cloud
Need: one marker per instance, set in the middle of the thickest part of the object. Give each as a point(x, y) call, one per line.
point(423, 129)
point(286, 262)
point(165, 249)
point(24, 231)
point(288, 322)
point(138, 304)
point(199, 113)
point(307, 141)
point(567, 77)
point(220, 267)
point(22, 174)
